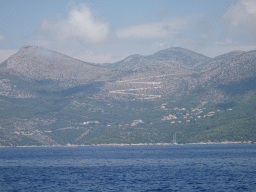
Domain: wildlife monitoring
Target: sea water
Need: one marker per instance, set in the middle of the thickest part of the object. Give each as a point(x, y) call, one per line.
point(230, 167)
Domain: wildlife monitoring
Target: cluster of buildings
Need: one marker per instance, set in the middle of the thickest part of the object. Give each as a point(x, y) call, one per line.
point(87, 122)
point(183, 113)
point(169, 117)
point(136, 122)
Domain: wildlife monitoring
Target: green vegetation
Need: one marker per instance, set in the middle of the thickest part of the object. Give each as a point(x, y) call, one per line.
point(68, 115)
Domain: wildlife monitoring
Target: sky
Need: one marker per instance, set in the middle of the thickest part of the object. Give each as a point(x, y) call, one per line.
point(101, 31)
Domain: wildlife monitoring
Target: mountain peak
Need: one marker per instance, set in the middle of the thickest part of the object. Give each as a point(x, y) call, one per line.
point(131, 57)
point(35, 51)
point(27, 49)
point(38, 63)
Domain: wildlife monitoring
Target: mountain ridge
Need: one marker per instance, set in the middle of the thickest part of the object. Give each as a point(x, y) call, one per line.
point(171, 55)
point(148, 103)
point(218, 60)
point(136, 62)
point(132, 60)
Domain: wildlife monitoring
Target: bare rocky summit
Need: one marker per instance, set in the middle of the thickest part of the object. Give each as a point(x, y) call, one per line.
point(172, 56)
point(38, 64)
point(237, 68)
point(218, 61)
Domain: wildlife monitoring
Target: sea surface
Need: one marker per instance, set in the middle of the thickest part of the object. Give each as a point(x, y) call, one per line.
point(230, 167)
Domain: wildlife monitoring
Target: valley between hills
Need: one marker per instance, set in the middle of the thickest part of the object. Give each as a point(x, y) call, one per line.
point(50, 99)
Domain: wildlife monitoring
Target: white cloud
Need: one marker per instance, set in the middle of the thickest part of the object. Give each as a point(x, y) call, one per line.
point(241, 17)
point(170, 27)
point(5, 54)
point(239, 22)
point(80, 25)
point(250, 6)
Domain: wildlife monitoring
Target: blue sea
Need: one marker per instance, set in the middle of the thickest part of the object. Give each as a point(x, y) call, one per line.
point(230, 167)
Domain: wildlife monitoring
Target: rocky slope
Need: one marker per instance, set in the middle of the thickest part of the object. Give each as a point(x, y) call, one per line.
point(172, 56)
point(218, 61)
point(47, 98)
point(36, 63)
point(236, 69)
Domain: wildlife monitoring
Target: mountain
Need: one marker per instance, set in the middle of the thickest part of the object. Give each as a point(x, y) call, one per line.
point(47, 98)
point(36, 63)
point(180, 56)
point(217, 61)
point(236, 76)
point(173, 56)
point(236, 69)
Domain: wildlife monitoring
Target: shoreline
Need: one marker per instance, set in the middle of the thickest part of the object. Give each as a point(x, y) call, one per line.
point(135, 144)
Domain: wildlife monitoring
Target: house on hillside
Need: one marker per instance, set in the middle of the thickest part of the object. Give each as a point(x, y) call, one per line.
point(136, 122)
point(87, 122)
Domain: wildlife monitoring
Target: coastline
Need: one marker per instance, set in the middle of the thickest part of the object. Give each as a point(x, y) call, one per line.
point(135, 144)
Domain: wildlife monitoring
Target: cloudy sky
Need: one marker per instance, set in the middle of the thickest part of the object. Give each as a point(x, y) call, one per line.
point(107, 31)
